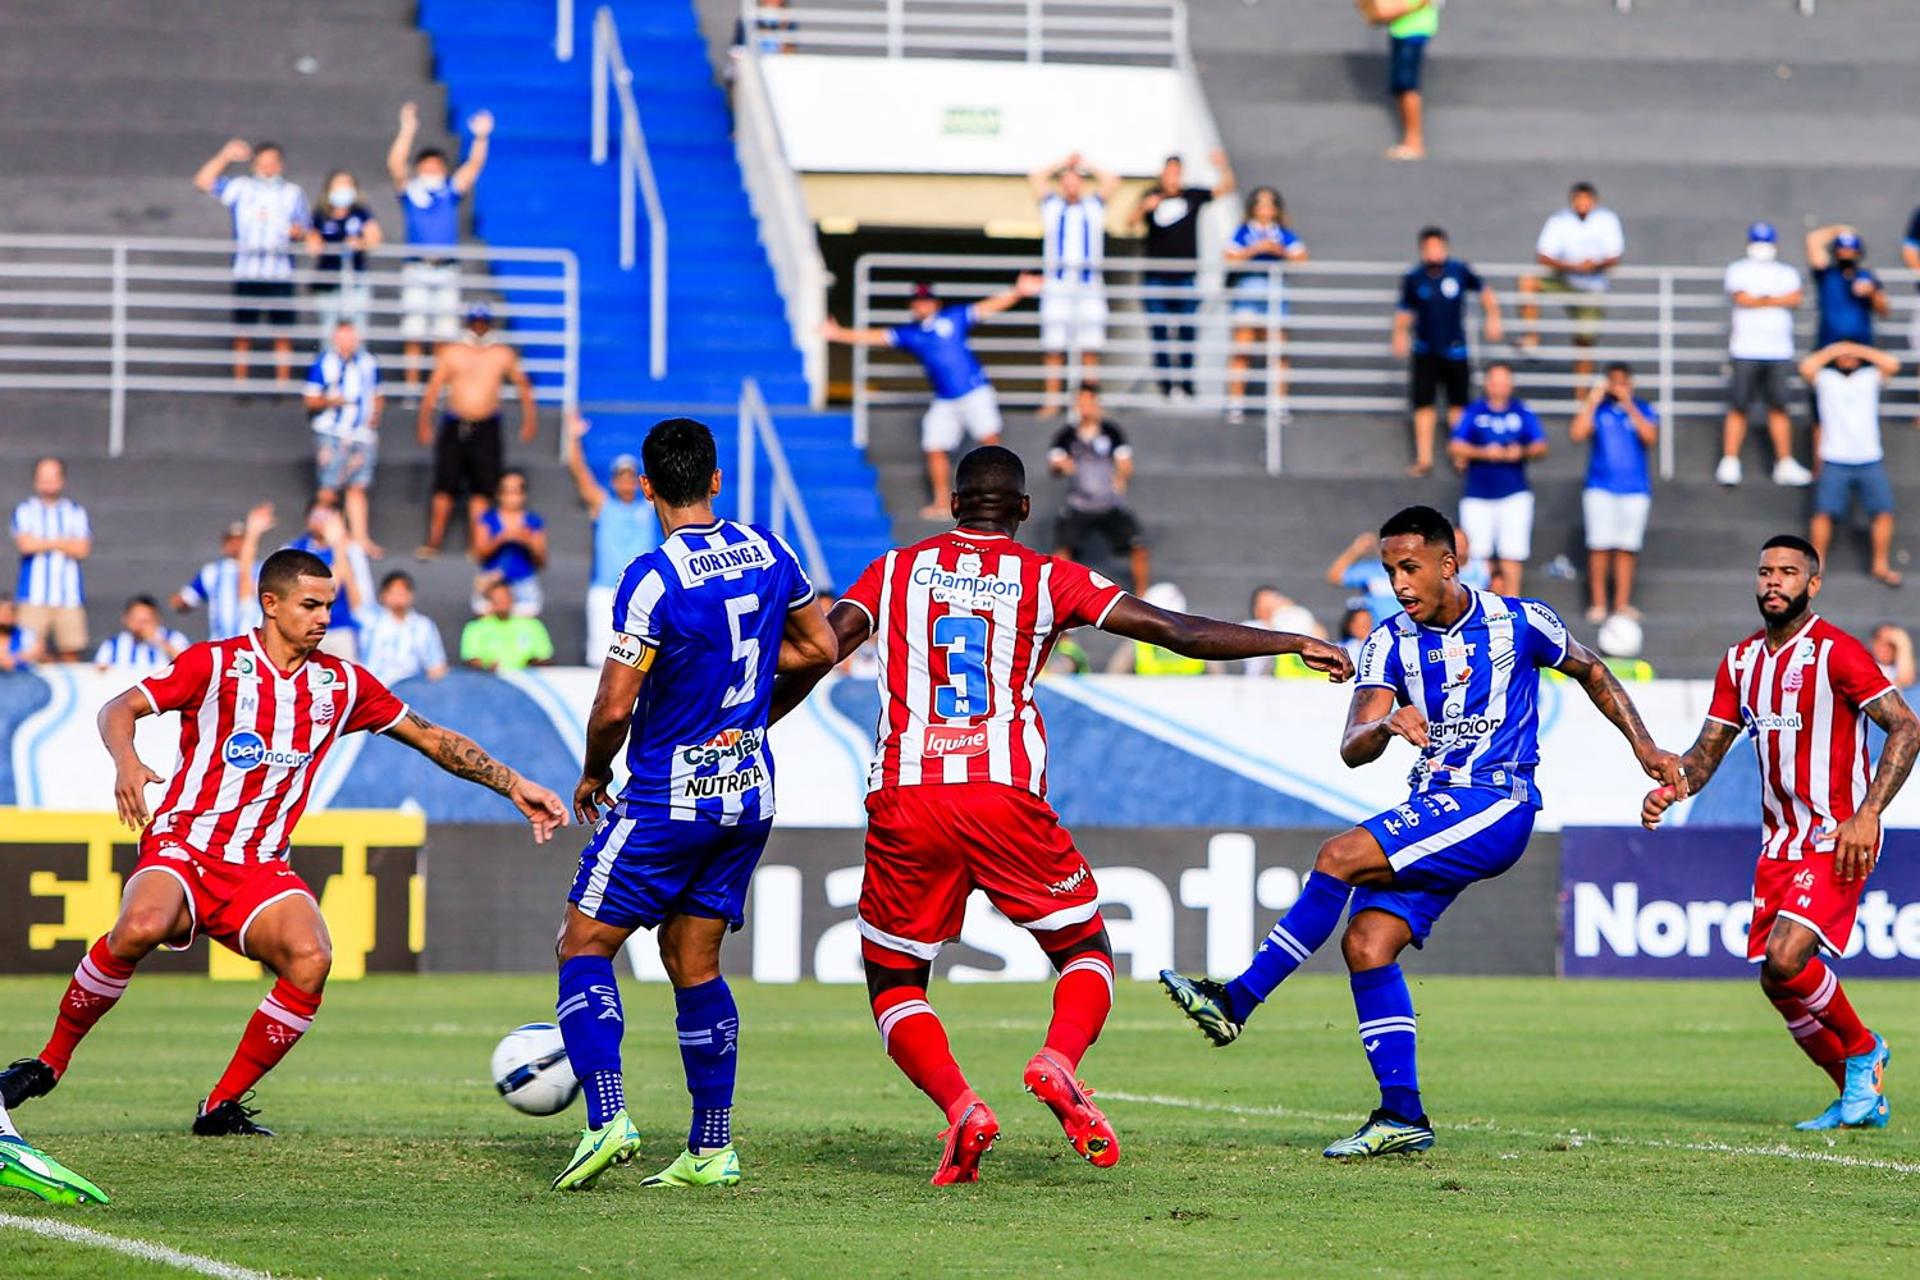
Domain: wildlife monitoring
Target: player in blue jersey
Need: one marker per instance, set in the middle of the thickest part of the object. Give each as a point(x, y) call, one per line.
point(1457, 674)
point(701, 625)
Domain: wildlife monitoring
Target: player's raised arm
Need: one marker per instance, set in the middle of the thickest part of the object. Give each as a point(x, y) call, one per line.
point(460, 756)
point(1194, 636)
point(1607, 694)
point(850, 628)
point(131, 776)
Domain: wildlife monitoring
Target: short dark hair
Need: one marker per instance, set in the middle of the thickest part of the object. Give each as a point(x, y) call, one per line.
point(1422, 522)
point(45, 458)
point(430, 153)
point(1433, 233)
point(991, 468)
point(1174, 159)
point(1255, 594)
point(1794, 542)
point(680, 459)
point(141, 599)
point(1090, 386)
point(258, 147)
point(285, 567)
point(513, 473)
point(1583, 188)
point(398, 575)
point(1619, 366)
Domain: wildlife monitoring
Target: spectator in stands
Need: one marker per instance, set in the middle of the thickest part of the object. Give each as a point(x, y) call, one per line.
point(1619, 487)
point(345, 403)
point(1497, 436)
point(1169, 214)
point(225, 586)
point(1271, 608)
point(1143, 659)
point(1358, 568)
point(1578, 246)
point(1096, 461)
point(1356, 624)
point(1847, 379)
point(342, 232)
point(1764, 291)
point(1258, 304)
point(503, 640)
point(964, 404)
point(430, 199)
point(270, 216)
point(1410, 24)
point(510, 544)
point(624, 528)
point(1851, 297)
point(468, 452)
point(1910, 254)
point(326, 537)
point(397, 643)
point(773, 33)
point(1430, 329)
point(1892, 648)
point(53, 536)
point(19, 646)
point(143, 641)
point(1073, 233)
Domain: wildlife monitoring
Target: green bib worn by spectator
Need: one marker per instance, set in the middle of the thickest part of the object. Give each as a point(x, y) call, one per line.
point(1424, 21)
point(1152, 660)
point(505, 644)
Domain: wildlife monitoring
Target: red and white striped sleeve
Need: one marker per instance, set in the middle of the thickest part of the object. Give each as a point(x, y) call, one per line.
point(1081, 597)
point(374, 708)
point(864, 594)
point(182, 682)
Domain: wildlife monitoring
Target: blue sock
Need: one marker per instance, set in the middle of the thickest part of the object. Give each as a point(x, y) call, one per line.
point(1385, 1007)
point(709, 1027)
point(591, 1023)
point(1305, 928)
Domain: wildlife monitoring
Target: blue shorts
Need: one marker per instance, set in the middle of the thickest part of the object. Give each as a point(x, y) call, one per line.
point(1440, 842)
point(1252, 299)
point(1403, 63)
point(637, 871)
point(1834, 487)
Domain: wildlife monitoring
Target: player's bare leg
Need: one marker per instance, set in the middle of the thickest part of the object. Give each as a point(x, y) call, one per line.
point(1082, 997)
point(153, 910)
point(1824, 1024)
point(912, 1035)
point(592, 1021)
point(708, 1024)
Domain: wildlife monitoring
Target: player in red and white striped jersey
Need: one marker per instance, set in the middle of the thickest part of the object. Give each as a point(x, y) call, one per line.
point(964, 622)
point(258, 713)
point(1803, 690)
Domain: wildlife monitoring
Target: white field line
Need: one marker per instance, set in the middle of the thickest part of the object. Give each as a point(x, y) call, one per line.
point(54, 1229)
point(1778, 1151)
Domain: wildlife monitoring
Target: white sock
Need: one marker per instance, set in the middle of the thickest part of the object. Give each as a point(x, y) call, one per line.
point(6, 1125)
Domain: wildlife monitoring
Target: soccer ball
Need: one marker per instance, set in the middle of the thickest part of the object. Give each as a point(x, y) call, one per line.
point(1620, 637)
point(531, 1071)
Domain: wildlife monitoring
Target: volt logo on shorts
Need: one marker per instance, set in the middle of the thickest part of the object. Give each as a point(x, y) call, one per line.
point(244, 749)
point(955, 740)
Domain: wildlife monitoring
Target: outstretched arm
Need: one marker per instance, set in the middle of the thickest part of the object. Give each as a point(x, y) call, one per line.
point(1193, 636)
point(1607, 694)
point(402, 147)
point(1856, 845)
point(851, 627)
point(1027, 285)
point(481, 125)
point(833, 331)
point(460, 756)
point(1697, 768)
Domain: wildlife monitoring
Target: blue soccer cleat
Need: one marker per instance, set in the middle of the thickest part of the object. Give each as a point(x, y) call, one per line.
point(1866, 1084)
point(1828, 1119)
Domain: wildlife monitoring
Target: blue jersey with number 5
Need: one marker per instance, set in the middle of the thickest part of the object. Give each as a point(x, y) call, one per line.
point(703, 615)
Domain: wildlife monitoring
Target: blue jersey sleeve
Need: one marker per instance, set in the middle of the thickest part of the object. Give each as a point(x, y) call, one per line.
point(1531, 432)
point(962, 318)
point(1408, 300)
point(1379, 665)
point(1470, 279)
point(802, 589)
point(1547, 638)
point(640, 602)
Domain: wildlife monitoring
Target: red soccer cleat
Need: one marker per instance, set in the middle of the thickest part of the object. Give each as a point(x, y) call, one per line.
point(1051, 1080)
point(969, 1138)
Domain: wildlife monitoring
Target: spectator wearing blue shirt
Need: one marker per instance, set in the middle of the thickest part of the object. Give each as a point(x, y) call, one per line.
point(1910, 254)
point(964, 403)
point(1263, 241)
point(624, 529)
point(1496, 437)
point(1619, 490)
point(342, 232)
point(1430, 330)
point(510, 542)
point(430, 193)
point(344, 398)
point(1851, 297)
point(19, 646)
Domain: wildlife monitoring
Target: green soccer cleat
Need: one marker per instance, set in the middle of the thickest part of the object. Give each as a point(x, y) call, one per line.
point(721, 1169)
point(36, 1172)
point(615, 1142)
point(1204, 1001)
point(1383, 1134)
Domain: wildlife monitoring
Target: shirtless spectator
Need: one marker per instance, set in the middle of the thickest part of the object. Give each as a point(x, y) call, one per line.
point(468, 453)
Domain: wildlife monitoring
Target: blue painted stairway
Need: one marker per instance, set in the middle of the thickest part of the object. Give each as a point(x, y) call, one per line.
point(725, 317)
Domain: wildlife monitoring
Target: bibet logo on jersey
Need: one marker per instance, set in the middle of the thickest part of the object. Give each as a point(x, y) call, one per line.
point(245, 750)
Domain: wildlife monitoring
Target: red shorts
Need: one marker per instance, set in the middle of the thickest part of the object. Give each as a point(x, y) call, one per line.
point(223, 897)
point(929, 846)
point(1806, 893)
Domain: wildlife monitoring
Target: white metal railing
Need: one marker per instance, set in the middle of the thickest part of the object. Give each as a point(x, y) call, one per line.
point(636, 166)
point(780, 209)
point(1147, 32)
point(785, 507)
point(123, 314)
point(563, 30)
point(1331, 323)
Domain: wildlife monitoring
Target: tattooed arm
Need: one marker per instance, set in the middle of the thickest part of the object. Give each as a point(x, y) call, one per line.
point(1856, 846)
point(1606, 693)
point(1697, 767)
point(462, 757)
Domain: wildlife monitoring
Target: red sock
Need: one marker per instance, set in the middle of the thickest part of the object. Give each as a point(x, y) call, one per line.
point(98, 983)
point(276, 1026)
point(917, 1043)
point(1820, 991)
point(1814, 1040)
point(1082, 998)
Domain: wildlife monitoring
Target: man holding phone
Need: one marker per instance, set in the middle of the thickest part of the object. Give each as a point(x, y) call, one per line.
point(1619, 489)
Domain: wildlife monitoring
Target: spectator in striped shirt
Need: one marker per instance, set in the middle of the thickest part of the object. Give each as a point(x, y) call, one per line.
point(430, 199)
point(270, 216)
point(143, 640)
point(1073, 236)
point(396, 643)
point(53, 535)
point(344, 397)
point(326, 537)
point(19, 646)
point(225, 586)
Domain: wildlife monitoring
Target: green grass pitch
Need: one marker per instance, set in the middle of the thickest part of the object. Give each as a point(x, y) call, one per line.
point(1585, 1128)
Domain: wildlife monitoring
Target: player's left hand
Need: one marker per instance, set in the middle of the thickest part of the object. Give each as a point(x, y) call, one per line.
point(539, 806)
point(1664, 767)
point(1856, 846)
point(589, 797)
point(1321, 655)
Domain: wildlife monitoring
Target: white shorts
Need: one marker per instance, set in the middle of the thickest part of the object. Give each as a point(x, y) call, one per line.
point(948, 422)
point(430, 301)
point(1073, 314)
point(1615, 521)
point(1499, 528)
point(599, 624)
